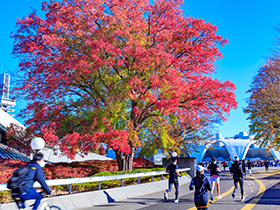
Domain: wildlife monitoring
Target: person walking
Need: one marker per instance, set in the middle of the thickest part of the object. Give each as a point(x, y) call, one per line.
point(237, 174)
point(243, 167)
point(224, 165)
point(249, 166)
point(35, 173)
point(230, 162)
point(266, 165)
point(173, 179)
point(214, 178)
point(202, 186)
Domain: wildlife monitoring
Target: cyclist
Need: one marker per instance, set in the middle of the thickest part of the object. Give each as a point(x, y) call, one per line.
point(35, 173)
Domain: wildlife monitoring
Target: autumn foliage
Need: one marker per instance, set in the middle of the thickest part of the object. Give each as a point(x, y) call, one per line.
point(108, 71)
point(264, 105)
point(69, 170)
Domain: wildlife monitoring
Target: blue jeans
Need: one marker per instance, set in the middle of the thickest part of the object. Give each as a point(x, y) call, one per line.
point(32, 194)
point(176, 184)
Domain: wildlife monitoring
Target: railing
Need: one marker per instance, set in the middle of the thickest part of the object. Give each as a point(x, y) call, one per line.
point(99, 179)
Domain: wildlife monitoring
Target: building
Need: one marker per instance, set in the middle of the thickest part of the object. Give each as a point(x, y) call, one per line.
point(5, 120)
point(5, 102)
point(5, 106)
point(7, 152)
point(242, 145)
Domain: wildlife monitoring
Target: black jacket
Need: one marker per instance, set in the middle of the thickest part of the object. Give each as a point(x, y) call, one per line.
point(236, 170)
point(249, 164)
point(266, 164)
point(35, 173)
point(172, 171)
point(202, 185)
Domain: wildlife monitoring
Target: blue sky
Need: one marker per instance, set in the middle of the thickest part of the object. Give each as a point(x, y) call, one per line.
point(248, 26)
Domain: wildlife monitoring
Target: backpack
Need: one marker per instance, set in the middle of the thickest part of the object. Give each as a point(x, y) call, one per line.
point(16, 181)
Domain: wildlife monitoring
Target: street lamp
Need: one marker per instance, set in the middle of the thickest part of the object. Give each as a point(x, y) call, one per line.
point(37, 144)
point(174, 154)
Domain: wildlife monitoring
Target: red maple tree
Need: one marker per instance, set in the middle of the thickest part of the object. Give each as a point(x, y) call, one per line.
point(102, 71)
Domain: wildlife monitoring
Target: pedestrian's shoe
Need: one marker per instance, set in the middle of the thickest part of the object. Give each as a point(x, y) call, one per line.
point(176, 200)
point(211, 197)
point(165, 196)
point(243, 199)
point(233, 195)
point(219, 197)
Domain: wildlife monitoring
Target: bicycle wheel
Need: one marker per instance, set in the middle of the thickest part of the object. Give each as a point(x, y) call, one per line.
point(52, 208)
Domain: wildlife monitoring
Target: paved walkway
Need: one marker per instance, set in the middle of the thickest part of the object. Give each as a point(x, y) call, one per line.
point(261, 191)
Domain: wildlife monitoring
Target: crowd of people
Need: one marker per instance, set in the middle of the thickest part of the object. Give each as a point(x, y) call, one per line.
point(201, 184)
point(223, 165)
point(22, 186)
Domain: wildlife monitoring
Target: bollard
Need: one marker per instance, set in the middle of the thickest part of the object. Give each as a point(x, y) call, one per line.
point(152, 178)
point(138, 180)
point(162, 177)
point(121, 182)
point(70, 187)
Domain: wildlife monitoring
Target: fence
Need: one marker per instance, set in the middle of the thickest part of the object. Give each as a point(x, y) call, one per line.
point(99, 179)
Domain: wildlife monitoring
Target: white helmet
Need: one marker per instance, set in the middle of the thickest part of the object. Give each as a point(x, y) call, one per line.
point(174, 154)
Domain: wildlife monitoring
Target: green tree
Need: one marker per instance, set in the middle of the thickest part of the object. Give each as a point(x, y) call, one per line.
point(264, 105)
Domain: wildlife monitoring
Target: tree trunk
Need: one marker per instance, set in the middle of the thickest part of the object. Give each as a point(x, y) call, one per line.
point(125, 162)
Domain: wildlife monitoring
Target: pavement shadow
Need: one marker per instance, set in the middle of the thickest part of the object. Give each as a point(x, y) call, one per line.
point(271, 177)
point(271, 196)
point(225, 176)
point(144, 202)
point(109, 198)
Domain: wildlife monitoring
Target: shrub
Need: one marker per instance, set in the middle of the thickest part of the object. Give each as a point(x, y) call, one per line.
point(79, 169)
point(141, 162)
point(70, 170)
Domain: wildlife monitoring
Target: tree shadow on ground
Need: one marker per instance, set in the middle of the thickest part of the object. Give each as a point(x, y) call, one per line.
point(271, 196)
point(271, 177)
point(144, 202)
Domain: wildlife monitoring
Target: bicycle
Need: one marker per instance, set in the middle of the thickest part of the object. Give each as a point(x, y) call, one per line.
point(46, 204)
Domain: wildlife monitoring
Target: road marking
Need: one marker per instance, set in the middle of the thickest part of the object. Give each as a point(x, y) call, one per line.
point(215, 199)
point(269, 172)
point(258, 196)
